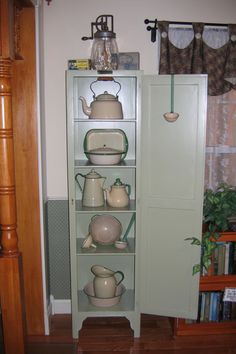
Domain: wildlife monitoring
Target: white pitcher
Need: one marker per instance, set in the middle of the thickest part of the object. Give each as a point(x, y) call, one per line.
point(105, 282)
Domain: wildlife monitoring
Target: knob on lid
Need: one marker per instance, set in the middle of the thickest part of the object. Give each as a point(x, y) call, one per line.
point(118, 182)
point(93, 174)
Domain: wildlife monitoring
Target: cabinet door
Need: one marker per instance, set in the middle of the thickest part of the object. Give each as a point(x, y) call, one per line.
point(173, 156)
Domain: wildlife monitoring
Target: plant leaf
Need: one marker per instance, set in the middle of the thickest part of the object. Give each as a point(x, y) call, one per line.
point(196, 269)
point(195, 241)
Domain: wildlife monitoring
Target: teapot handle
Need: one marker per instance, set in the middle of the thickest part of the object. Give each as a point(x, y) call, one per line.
point(76, 178)
point(105, 79)
point(122, 276)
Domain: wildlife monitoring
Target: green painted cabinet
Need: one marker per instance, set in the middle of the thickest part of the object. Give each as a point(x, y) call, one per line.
point(164, 167)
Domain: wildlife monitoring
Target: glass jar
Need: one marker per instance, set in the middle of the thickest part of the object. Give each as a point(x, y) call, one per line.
point(104, 55)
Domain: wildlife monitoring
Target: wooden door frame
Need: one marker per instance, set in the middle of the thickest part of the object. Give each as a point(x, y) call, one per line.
point(16, 307)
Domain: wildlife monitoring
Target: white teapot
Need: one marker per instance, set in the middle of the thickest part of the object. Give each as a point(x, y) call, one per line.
point(118, 196)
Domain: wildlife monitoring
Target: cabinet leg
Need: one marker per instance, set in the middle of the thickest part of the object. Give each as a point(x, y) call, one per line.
point(135, 322)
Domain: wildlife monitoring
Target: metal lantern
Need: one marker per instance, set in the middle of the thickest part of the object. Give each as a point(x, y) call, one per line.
point(104, 54)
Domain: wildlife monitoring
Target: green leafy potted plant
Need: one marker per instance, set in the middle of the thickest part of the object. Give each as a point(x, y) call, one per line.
point(218, 206)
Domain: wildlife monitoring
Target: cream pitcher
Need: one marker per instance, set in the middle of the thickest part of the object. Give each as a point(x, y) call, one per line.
point(118, 196)
point(105, 282)
point(92, 192)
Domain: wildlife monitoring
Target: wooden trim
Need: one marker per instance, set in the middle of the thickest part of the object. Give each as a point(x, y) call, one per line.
point(227, 237)
point(9, 240)
point(24, 3)
point(217, 282)
point(18, 94)
point(19, 184)
point(203, 328)
point(5, 36)
point(24, 92)
point(11, 296)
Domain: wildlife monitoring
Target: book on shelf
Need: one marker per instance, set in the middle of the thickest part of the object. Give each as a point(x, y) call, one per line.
point(226, 312)
point(212, 308)
point(207, 307)
point(201, 306)
point(223, 260)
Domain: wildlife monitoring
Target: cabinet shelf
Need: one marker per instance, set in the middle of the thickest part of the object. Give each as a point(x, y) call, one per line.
point(104, 209)
point(227, 236)
point(124, 120)
point(122, 164)
point(104, 250)
point(217, 282)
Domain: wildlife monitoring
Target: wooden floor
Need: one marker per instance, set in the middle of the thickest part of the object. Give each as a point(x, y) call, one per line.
point(108, 335)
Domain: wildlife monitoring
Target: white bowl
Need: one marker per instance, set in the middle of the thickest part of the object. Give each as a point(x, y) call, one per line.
point(105, 156)
point(121, 244)
point(114, 138)
point(96, 301)
point(105, 146)
point(105, 229)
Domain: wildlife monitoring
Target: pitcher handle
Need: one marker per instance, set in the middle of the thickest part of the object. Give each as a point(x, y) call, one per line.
point(76, 178)
point(128, 186)
point(122, 276)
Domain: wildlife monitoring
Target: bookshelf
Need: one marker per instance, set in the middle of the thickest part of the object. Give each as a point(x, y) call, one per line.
point(210, 283)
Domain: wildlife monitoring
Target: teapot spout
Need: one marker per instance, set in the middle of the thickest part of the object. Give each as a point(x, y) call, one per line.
point(86, 109)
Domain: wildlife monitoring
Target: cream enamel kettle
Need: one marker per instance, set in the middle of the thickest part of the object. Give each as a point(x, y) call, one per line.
point(118, 196)
point(92, 191)
point(103, 106)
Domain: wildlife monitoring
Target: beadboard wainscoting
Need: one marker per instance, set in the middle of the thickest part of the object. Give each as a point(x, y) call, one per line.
point(58, 255)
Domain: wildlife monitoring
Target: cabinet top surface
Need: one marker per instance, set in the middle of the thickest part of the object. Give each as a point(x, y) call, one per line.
point(94, 73)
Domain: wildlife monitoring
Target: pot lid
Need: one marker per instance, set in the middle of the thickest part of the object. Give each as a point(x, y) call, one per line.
point(93, 174)
point(106, 97)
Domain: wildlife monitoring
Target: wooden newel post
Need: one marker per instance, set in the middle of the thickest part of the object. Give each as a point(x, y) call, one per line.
point(11, 282)
point(11, 289)
point(9, 241)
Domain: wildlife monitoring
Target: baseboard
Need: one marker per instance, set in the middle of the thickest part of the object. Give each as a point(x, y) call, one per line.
point(62, 306)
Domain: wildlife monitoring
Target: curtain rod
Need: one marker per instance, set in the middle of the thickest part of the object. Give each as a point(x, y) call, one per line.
point(155, 26)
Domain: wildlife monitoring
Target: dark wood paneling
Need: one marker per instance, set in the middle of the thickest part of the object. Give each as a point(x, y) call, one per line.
point(26, 171)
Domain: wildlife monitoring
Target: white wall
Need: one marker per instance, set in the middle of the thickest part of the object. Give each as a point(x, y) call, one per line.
point(66, 21)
